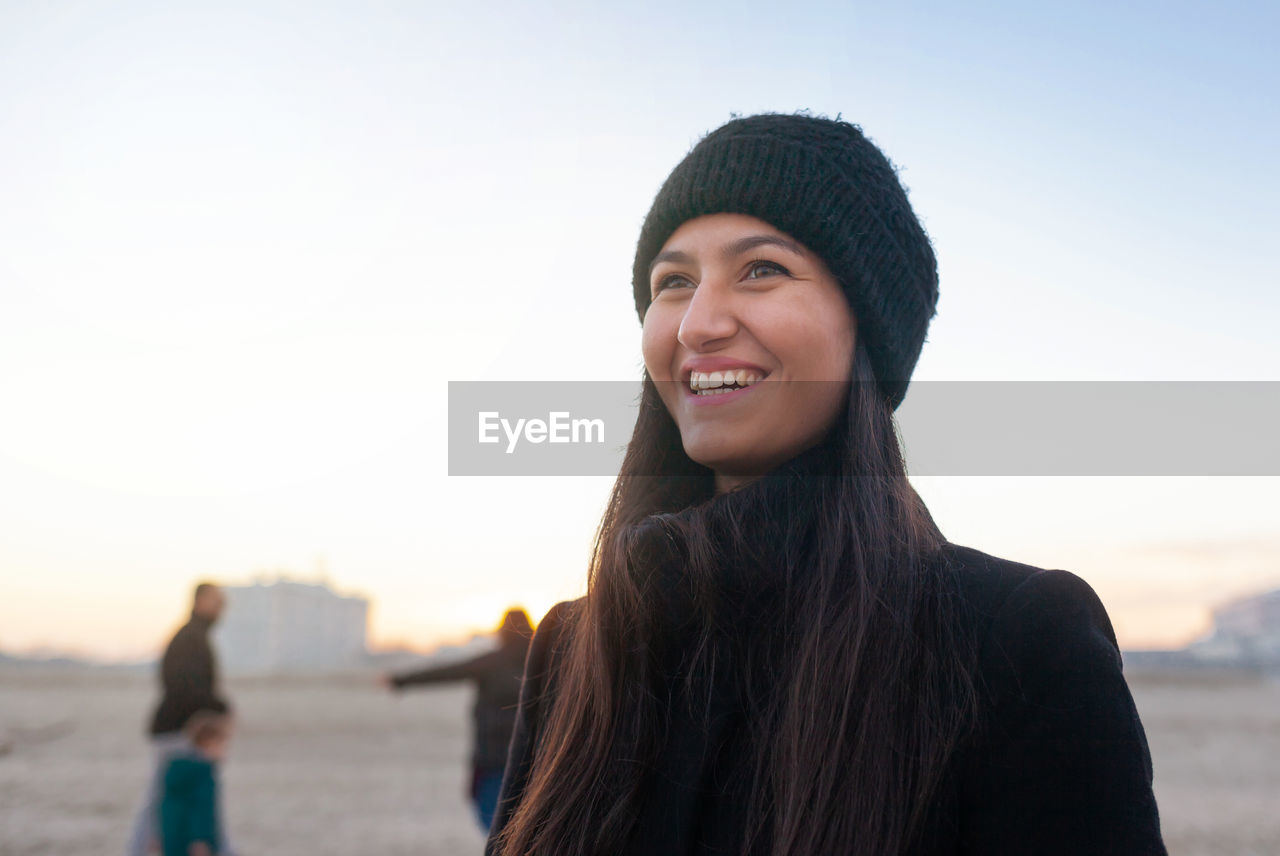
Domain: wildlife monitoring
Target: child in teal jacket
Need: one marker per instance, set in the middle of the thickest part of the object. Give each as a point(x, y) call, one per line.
point(189, 805)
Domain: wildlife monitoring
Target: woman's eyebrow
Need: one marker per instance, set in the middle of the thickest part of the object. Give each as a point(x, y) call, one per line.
point(729, 251)
point(670, 256)
point(750, 242)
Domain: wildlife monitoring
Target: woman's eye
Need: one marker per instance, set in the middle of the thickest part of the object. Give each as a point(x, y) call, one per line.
point(769, 268)
point(666, 282)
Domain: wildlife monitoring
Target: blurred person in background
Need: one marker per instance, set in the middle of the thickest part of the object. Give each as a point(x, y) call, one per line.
point(496, 675)
point(189, 681)
point(190, 814)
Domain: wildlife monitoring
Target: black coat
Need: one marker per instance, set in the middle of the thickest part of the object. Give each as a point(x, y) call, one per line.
point(1060, 767)
point(497, 678)
point(189, 676)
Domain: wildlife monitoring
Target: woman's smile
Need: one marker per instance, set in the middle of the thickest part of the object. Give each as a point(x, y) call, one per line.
point(718, 380)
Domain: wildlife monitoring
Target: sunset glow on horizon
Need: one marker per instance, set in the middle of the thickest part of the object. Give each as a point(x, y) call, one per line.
point(245, 247)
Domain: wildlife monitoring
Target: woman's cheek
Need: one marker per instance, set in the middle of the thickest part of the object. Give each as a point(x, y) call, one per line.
point(649, 348)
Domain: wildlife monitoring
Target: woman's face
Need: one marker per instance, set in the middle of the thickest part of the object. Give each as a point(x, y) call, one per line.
point(737, 302)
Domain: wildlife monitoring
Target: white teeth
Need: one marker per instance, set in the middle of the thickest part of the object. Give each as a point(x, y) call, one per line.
point(714, 383)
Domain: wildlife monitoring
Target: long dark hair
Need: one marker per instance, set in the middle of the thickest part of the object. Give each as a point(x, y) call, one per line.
point(858, 683)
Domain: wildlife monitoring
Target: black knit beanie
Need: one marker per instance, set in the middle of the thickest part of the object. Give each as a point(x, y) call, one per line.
point(825, 184)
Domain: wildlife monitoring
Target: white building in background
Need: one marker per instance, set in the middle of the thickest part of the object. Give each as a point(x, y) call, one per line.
point(284, 625)
point(1245, 630)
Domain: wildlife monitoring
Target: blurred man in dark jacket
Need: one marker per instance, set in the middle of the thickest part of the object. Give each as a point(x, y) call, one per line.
point(497, 677)
point(189, 678)
point(188, 671)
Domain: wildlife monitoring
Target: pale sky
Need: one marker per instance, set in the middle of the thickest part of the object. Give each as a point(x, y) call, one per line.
point(244, 247)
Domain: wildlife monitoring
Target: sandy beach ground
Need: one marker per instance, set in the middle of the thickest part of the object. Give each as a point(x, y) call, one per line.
point(330, 766)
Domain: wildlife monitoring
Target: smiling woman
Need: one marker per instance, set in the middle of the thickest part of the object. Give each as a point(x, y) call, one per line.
point(779, 652)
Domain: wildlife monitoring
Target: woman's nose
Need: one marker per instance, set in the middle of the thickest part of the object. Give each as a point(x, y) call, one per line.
point(708, 316)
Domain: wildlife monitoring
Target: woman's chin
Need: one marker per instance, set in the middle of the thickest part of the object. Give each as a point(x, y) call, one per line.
point(728, 464)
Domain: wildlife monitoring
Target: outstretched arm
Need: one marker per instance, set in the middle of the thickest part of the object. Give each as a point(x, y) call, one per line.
point(465, 670)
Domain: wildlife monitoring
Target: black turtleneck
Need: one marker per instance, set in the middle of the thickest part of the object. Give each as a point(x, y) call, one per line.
point(189, 676)
point(1060, 764)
